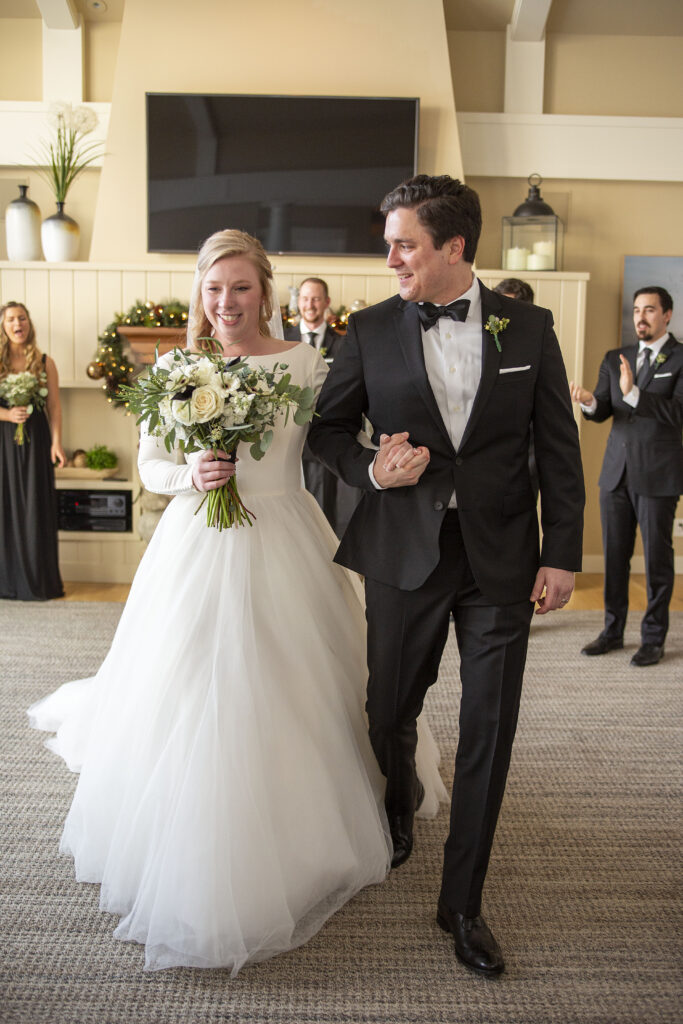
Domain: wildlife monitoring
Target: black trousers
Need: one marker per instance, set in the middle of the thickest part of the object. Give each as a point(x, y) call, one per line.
point(621, 511)
point(407, 632)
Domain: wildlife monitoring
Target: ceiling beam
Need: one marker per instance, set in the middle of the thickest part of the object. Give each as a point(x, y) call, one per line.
point(59, 14)
point(527, 24)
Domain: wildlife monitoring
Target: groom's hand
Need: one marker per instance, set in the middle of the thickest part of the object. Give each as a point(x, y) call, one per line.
point(558, 585)
point(397, 463)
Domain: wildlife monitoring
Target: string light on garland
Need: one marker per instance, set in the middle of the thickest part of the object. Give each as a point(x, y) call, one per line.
point(111, 363)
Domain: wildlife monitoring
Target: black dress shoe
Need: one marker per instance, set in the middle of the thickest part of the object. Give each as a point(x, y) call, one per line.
point(602, 645)
point(401, 828)
point(648, 654)
point(475, 945)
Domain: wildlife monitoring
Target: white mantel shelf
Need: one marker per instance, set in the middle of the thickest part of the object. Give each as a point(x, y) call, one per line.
point(572, 146)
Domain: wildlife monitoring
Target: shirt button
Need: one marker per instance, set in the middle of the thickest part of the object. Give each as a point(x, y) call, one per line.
point(438, 505)
point(451, 369)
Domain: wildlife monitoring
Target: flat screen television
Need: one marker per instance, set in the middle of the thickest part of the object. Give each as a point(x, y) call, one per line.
point(304, 174)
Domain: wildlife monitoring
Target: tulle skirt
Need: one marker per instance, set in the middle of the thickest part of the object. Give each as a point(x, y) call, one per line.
point(228, 799)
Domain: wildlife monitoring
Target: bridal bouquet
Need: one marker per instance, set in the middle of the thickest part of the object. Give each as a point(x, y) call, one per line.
point(206, 403)
point(24, 389)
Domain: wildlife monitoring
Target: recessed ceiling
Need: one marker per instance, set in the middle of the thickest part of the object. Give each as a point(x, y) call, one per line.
point(574, 17)
point(91, 12)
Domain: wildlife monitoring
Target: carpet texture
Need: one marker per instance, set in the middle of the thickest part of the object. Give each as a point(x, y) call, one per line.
point(582, 889)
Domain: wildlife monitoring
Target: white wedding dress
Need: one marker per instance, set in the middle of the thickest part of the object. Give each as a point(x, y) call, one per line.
point(228, 799)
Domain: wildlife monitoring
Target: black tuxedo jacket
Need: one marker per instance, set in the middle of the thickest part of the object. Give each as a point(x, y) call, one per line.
point(393, 536)
point(331, 340)
point(646, 441)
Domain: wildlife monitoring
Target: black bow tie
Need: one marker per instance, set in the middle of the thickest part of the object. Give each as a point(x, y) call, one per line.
point(429, 313)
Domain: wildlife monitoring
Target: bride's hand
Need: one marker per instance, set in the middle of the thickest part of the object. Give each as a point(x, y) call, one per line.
point(210, 472)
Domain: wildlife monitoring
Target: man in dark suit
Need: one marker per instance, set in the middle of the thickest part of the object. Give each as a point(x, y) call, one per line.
point(447, 522)
point(313, 302)
point(641, 388)
point(336, 499)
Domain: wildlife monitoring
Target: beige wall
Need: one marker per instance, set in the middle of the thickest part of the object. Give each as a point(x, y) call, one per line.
point(21, 63)
point(478, 70)
point(604, 221)
point(622, 76)
point(263, 50)
point(101, 53)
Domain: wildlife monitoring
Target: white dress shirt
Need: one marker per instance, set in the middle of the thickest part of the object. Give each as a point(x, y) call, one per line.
point(319, 332)
point(452, 354)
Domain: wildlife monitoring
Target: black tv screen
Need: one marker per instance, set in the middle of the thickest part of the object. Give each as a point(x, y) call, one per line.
point(304, 174)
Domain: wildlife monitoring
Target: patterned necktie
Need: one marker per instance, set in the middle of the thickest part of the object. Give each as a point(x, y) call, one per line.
point(311, 338)
point(644, 367)
point(429, 313)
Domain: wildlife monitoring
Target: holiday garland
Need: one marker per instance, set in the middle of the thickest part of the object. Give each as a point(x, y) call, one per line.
point(111, 363)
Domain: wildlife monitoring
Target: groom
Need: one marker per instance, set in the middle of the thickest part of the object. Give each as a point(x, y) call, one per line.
point(447, 522)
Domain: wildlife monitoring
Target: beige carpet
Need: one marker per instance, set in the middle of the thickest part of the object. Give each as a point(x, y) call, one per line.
point(582, 890)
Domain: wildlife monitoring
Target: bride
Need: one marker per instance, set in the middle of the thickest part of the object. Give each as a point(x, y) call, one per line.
point(228, 800)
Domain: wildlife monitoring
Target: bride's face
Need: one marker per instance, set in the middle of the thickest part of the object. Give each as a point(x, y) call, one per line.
point(231, 295)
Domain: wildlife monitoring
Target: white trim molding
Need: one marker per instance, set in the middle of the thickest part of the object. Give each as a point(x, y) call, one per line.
point(572, 146)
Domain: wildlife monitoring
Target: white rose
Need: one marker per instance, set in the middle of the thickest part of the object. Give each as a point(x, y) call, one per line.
point(166, 410)
point(206, 403)
point(182, 411)
point(205, 371)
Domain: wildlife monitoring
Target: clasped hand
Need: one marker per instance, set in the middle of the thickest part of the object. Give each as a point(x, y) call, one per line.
point(18, 414)
point(397, 463)
point(211, 471)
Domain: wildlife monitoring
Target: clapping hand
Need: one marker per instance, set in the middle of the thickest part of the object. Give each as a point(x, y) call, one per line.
point(625, 376)
point(397, 463)
point(580, 395)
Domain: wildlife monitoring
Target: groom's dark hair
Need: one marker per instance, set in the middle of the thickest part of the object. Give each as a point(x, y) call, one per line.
point(445, 207)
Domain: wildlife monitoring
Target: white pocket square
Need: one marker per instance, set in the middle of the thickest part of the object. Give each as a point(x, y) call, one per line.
point(514, 369)
point(661, 375)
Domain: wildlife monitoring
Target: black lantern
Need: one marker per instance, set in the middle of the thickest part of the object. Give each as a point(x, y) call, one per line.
point(532, 237)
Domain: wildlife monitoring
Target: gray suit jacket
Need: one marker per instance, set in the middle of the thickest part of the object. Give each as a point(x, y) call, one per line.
point(646, 441)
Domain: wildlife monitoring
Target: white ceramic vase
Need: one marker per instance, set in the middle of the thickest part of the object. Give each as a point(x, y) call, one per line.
point(22, 228)
point(60, 235)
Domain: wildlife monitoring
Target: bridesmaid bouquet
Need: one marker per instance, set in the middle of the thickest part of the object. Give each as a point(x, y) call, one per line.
point(205, 403)
point(26, 389)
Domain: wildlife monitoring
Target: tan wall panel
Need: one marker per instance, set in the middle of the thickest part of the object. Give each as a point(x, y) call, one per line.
point(21, 66)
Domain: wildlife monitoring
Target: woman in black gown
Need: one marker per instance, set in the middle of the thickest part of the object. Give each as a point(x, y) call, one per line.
point(29, 569)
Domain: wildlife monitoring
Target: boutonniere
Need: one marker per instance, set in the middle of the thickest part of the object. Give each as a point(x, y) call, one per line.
point(661, 358)
point(494, 325)
point(323, 351)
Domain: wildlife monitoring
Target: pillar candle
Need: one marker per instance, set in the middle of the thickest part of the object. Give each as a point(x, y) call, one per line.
point(515, 259)
point(539, 262)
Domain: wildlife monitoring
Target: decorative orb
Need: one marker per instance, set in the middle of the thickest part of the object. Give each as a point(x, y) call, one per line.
point(94, 370)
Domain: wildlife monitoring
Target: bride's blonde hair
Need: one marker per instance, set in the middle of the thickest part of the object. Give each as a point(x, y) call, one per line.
point(34, 357)
point(230, 242)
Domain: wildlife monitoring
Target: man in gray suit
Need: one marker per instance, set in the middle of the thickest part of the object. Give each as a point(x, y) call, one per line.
point(641, 388)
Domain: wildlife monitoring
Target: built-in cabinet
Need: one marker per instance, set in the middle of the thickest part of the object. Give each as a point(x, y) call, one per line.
point(70, 304)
